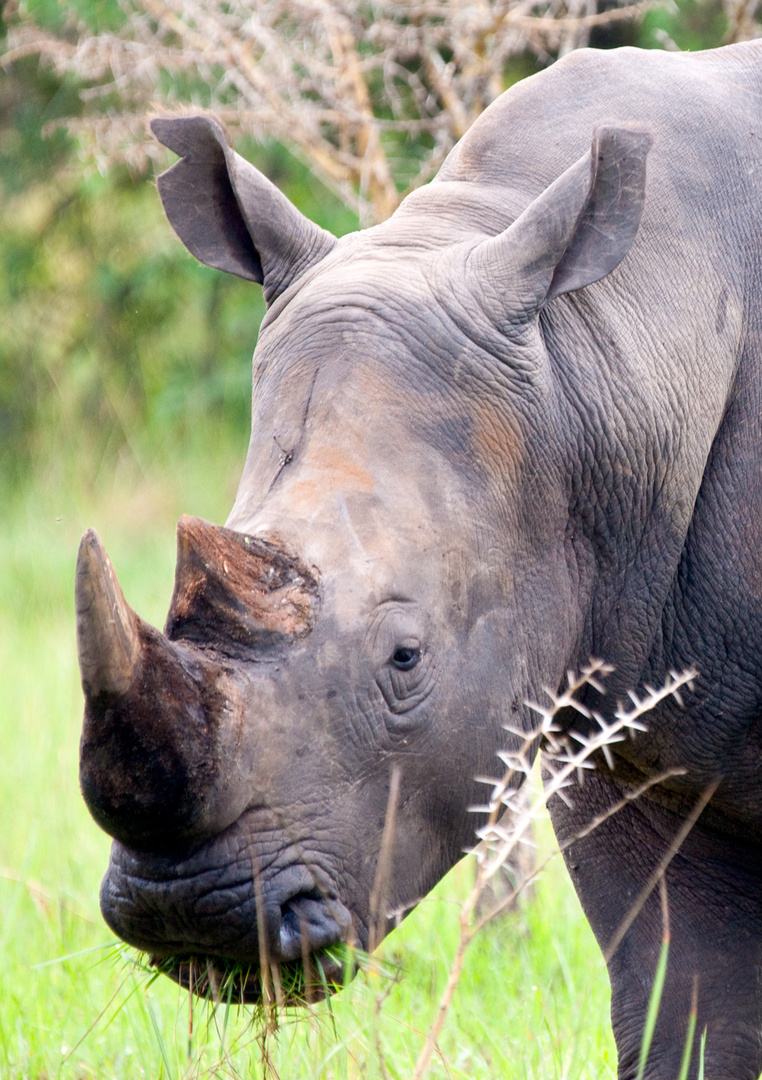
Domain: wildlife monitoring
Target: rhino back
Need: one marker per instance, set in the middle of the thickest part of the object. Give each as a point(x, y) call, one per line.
point(703, 110)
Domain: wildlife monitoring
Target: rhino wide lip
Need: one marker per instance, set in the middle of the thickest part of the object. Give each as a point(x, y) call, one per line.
point(203, 918)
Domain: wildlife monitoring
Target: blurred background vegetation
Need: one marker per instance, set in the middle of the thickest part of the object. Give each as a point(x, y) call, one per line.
point(124, 402)
point(111, 337)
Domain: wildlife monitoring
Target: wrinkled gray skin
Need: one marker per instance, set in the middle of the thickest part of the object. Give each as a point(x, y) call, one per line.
point(511, 428)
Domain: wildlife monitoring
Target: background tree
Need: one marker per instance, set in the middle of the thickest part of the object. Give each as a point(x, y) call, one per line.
point(371, 95)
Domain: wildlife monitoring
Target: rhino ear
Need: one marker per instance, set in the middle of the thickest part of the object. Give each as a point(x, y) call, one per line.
point(575, 233)
point(228, 214)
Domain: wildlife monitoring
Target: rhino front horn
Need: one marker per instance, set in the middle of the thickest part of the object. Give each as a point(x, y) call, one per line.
point(158, 715)
point(107, 631)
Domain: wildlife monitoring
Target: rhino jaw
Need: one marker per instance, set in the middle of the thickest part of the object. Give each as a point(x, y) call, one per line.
point(249, 915)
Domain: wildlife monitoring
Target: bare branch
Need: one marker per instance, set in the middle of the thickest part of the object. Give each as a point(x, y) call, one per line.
point(372, 97)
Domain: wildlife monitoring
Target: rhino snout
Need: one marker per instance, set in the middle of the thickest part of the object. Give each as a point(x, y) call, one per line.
point(287, 913)
point(165, 757)
point(311, 918)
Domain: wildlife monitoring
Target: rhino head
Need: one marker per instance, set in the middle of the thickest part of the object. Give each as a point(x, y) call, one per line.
point(289, 765)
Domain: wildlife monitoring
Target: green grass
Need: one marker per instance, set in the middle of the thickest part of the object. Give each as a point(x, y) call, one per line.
point(532, 1001)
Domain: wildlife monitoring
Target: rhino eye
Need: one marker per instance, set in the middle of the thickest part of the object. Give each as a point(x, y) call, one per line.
point(406, 657)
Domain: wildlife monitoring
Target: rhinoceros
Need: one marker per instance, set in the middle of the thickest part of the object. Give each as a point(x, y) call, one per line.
point(515, 426)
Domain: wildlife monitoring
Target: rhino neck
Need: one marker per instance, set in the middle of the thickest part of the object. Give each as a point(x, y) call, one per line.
point(640, 428)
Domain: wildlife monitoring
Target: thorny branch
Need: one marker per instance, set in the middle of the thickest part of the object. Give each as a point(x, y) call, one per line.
point(372, 96)
point(499, 837)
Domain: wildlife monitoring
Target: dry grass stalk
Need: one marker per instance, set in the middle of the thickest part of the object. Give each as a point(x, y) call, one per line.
point(378, 895)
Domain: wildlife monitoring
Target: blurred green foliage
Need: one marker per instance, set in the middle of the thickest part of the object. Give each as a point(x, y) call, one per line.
point(111, 335)
point(690, 24)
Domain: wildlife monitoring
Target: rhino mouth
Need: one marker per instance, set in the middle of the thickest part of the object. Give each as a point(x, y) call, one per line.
point(288, 984)
point(215, 924)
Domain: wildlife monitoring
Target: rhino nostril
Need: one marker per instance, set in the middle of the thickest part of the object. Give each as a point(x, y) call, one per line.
point(312, 919)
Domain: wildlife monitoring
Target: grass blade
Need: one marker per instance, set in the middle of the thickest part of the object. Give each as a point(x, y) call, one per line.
point(327, 994)
point(701, 1055)
point(73, 955)
point(656, 991)
point(159, 1039)
point(690, 1034)
point(654, 1002)
point(653, 1008)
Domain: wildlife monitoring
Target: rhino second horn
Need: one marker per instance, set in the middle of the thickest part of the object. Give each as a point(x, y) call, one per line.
point(108, 642)
point(238, 590)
